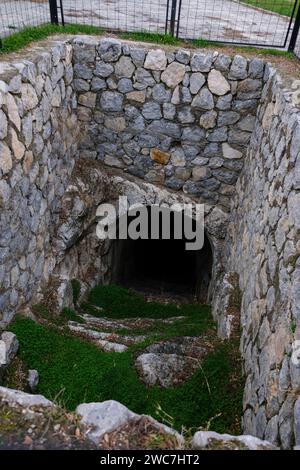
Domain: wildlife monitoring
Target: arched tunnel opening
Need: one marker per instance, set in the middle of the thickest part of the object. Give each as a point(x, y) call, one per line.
point(163, 265)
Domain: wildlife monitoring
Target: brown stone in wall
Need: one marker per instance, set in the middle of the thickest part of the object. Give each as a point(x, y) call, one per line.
point(160, 157)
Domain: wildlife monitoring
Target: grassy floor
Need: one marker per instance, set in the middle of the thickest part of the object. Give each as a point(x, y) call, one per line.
point(73, 371)
point(118, 302)
point(283, 7)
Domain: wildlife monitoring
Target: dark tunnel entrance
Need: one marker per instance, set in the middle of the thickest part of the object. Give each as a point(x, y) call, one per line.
point(163, 266)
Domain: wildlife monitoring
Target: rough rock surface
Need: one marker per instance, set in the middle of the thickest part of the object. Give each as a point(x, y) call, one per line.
point(16, 397)
point(170, 363)
point(209, 440)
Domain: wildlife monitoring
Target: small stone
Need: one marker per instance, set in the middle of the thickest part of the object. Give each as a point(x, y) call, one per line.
point(178, 157)
point(174, 183)
point(200, 173)
point(160, 157)
point(25, 400)
point(197, 81)
point(256, 68)
point(33, 379)
point(12, 111)
point(212, 440)
point(5, 193)
point(97, 84)
point(125, 85)
point(224, 102)
point(183, 56)
point(15, 84)
point(176, 96)
point(182, 173)
point(124, 68)
point(110, 50)
point(238, 68)
point(151, 110)
point(11, 345)
point(169, 111)
point(225, 176)
point(185, 115)
point(111, 101)
point(217, 83)
point(193, 134)
point(218, 135)
point(143, 79)
point(29, 97)
point(87, 99)
point(222, 63)
point(138, 56)
point(103, 70)
point(161, 94)
point(110, 160)
point(249, 89)
point(138, 96)
point(117, 124)
point(3, 125)
point(201, 62)
point(229, 152)
point(247, 123)
point(208, 120)
point(17, 147)
point(227, 118)
point(156, 60)
point(27, 162)
point(203, 100)
point(173, 75)
point(165, 128)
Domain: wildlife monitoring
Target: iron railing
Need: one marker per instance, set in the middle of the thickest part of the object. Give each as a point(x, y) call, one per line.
point(263, 23)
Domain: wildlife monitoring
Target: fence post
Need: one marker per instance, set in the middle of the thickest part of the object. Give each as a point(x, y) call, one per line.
point(295, 31)
point(173, 17)
point(53, 11)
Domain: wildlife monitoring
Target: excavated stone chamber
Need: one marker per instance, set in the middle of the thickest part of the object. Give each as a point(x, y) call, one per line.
point(86, 120)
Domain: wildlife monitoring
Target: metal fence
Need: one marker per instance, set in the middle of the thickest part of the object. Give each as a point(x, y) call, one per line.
point(264, 23)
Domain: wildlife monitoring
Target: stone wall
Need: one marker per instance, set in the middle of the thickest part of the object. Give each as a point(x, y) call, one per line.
point(38, 146)
point(263, 248)
point(180, 119)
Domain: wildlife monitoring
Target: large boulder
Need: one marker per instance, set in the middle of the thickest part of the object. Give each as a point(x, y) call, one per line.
point(106, 417)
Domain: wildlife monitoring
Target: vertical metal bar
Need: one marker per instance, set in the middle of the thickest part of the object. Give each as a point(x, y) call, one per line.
point(178, 18)
point(173, 17)
point(62, 13)
point(53, 11)
point(290, 23)
point(167, 17)
point(295, 32)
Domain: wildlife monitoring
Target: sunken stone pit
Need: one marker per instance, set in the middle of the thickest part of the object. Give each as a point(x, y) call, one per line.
point(85, 120)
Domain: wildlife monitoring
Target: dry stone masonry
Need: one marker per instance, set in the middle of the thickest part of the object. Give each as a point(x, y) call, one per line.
point(83, 121)
point(179, 119)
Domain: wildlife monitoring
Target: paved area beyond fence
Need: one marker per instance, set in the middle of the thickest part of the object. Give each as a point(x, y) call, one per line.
point(219, 20)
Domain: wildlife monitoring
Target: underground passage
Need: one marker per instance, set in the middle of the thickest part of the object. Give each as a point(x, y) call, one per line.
point(164, 265)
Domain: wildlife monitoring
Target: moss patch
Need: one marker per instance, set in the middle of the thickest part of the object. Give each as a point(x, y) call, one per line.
point(77, 371)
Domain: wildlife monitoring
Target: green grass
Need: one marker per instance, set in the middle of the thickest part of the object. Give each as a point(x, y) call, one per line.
point(78, 371)
point(151, 37)
point(21, 39)
point(283, 7)
point(118, 302)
